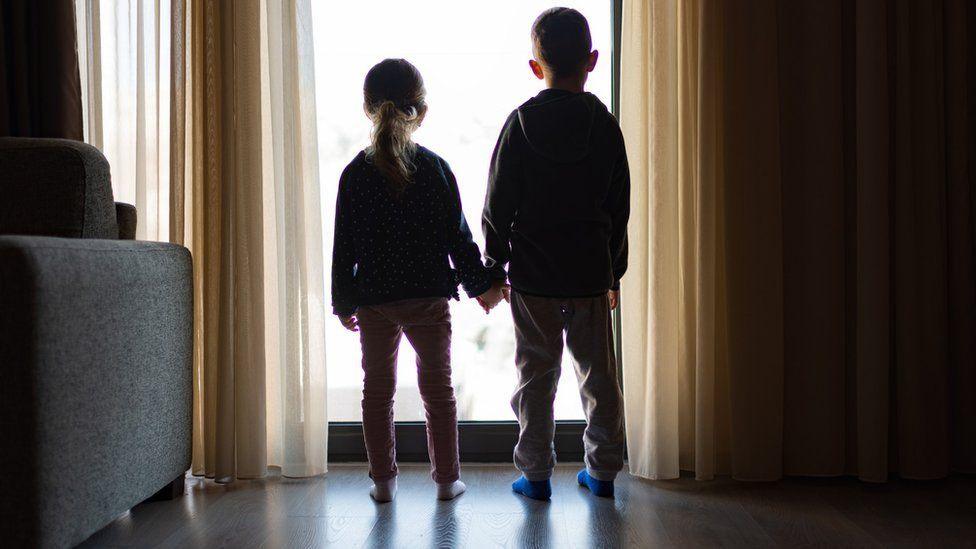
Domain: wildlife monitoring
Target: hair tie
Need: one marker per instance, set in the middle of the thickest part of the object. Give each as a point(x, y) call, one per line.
point(410, 111)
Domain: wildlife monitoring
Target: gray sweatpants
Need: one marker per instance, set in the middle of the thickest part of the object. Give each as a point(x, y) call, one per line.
point(540, 323)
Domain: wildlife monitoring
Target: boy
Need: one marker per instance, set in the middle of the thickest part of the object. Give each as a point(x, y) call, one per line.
point(556, 212)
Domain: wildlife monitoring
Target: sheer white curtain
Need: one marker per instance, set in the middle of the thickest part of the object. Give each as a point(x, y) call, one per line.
point(206, 113)
point(124, 62)
point(294, 283)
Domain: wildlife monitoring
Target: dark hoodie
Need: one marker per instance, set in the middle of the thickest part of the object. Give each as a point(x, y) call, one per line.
point(558, 198)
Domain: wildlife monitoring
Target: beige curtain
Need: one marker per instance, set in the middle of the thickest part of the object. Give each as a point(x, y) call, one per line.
point(802, 298)
point(246, 202)
point(675, 373)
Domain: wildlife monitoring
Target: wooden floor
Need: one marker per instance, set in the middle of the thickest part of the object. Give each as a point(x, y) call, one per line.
point(336, 511)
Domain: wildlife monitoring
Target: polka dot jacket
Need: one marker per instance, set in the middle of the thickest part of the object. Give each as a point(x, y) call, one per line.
point(389, 248)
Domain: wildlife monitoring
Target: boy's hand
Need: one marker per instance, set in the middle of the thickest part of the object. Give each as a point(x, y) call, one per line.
point(350, 323)
point(614, 296)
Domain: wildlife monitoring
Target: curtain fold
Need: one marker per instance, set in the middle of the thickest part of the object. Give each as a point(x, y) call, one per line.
point(225, 192)
point(830, 328)
point(40, 84)
point(245, 162)
point(677, 408)
point(295, 292)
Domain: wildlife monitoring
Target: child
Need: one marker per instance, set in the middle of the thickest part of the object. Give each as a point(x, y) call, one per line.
point(556, 212)
point(398, 223)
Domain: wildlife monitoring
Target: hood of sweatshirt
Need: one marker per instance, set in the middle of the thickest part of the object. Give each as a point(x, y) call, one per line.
point(559, 124)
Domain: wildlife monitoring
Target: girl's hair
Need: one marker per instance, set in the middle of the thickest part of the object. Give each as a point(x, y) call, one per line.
point(393, 95)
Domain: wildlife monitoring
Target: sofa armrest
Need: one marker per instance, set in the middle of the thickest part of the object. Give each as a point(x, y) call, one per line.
point(96, 391)
point(126, 216)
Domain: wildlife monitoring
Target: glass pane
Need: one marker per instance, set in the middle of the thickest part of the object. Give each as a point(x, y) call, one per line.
point(474, 59)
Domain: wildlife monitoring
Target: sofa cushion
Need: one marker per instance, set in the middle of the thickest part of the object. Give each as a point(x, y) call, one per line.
point(55, 187)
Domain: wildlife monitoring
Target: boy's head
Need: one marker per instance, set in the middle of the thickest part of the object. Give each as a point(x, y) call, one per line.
point(561, 44)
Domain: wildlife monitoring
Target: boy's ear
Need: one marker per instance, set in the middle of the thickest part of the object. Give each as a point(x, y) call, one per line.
point(591, 62)
point(536, 69)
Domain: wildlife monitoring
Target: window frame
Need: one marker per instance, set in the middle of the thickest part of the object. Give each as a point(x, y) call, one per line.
point(488, 441)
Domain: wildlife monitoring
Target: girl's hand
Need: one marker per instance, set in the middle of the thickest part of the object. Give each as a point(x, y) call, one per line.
point(493, 296)
point(350, 323)
point(485, 302)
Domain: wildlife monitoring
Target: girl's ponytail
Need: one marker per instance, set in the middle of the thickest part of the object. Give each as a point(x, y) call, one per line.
point(392, 149)
point(394, 100)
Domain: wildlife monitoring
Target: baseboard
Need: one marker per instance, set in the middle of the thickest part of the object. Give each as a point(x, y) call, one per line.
point(485, 442)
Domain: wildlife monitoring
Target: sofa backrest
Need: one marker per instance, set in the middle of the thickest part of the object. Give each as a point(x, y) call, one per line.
point(55, 187)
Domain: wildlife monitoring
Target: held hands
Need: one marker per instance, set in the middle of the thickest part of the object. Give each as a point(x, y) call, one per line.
point(494, 295)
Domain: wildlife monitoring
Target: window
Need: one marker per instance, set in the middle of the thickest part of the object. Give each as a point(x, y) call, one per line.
point(473, 57)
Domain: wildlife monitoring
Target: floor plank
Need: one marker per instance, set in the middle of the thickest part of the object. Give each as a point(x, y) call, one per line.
point(336, 511)
point(694, 517)
point(319, 532)
point(795, 516)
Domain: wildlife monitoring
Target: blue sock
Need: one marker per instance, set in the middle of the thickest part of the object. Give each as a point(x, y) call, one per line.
point(601, 488)
point(535, 489)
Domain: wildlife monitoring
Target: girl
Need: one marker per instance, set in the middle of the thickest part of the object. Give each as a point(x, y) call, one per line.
point(399, 224)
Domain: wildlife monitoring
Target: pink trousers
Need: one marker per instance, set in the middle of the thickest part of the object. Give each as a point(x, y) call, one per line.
point(427, 325)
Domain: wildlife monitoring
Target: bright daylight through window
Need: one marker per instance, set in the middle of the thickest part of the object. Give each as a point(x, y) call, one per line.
point(474, 63)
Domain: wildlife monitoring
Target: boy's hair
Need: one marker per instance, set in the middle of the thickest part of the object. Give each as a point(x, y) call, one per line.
point(561, 40)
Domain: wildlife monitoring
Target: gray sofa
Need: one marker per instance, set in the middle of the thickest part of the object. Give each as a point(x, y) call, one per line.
point(95, 349)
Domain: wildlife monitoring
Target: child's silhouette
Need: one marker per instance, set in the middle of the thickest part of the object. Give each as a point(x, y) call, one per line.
point(399, 225)
point(556, 214)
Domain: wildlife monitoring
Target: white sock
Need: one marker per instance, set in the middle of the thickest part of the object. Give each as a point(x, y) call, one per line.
point(450, 490)
point(384, 491)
